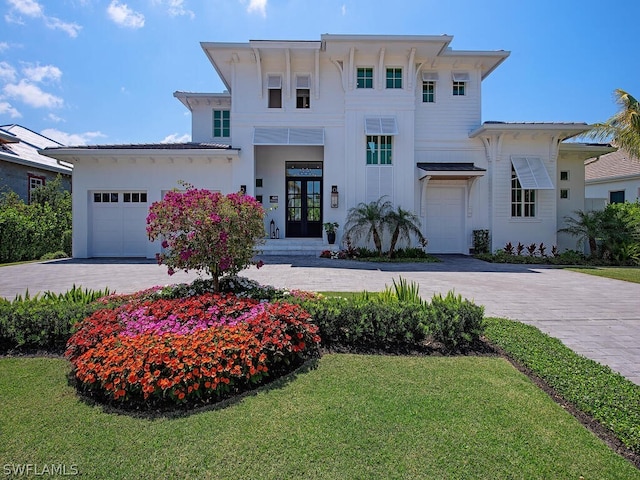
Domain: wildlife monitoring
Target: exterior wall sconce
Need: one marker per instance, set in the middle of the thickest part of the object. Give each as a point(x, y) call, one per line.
point(272, 229)
point(334, 196)
point(243, 189)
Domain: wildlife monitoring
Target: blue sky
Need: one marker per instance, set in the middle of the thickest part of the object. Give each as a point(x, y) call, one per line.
point(104, 71)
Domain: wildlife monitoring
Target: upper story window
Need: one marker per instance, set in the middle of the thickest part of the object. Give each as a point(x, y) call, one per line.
point(364, 77)
point(221, 123)
point(460, 81)
point(379, 149)
point(303, 91)
point(394, 77)
point(429, 86)
point(35, 182)
point(616, 196)
point(274, 85)
point(523, 201)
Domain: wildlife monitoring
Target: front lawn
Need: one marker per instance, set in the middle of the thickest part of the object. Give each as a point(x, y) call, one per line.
point(628, 274)
point(355, 416)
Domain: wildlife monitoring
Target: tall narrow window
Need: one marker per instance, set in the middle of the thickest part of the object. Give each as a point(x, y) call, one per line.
point(364, 77)
point(274, 85)
point(303, 91)
point(523, 200)
point(429, 86)
point(394, 77)
point(221, 123)
point(460, 84)
point(379, 149)
point(35, 182)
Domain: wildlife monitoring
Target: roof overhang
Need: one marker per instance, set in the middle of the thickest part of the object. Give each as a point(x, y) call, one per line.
point(6, 137)
point(191, 99)
point(309, 136)
point(562, 130)
point(65, 168)
point(586, 150)
point(449, 170)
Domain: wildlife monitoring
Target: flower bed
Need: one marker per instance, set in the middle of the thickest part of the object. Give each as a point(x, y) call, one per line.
point(188, 350)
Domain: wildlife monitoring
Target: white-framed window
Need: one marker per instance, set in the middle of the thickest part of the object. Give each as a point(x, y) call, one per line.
point(523, 200)
point(379, 149)
point(616, 196)
point(106, 197)
point(221, 123)
point(564, 175)
point(364, 77)
point(134, 197)
point(460, 81)
point(274, 87)
point(429, 80)
point(394, 77)
point(35, 182)
point(303, 91)
point(564, 193)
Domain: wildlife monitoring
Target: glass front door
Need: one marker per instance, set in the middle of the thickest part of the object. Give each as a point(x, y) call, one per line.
point(304, 199)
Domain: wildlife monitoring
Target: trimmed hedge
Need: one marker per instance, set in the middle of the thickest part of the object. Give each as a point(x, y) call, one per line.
point(593, 388)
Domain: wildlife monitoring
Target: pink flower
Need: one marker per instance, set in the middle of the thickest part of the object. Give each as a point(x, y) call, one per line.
point(171, 271)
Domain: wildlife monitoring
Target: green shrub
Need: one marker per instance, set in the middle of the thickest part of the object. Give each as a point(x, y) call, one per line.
point(54, 255)
point(593, 388)
point(454, 322)
point(367, 326)
point(481, 242)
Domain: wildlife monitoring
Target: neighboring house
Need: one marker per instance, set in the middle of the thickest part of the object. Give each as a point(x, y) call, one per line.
point(22, 168)
point(614, 177)
point(315, 127)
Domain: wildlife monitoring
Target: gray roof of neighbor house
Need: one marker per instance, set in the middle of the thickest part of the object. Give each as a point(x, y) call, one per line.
point(20, 145)
point(614, 165)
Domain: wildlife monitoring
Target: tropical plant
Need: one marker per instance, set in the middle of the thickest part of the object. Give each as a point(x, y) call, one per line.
point(367, 220)
point(330, 227)
point(586, 225)
point(623, 128)
point(402, 224)
point(208, 231)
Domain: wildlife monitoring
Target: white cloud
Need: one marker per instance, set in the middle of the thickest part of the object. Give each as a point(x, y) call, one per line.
point(4, 46)
point(7, 109)
point(33, 9)
point(54, 118)
point(7, 72)
point(32, 95)
point(70, 29)
point(176, 138)
point(258, 6)
point(29, 8)
point(71, 138)
point(175, 8)
point(122, 15)
point(343, 9)
point(42, 73)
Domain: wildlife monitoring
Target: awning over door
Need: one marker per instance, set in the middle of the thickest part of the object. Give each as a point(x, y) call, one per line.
point(532, 173)
point(450, 170)
point(288, 136)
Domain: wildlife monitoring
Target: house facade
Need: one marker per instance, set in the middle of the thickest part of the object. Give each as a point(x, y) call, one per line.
point(22, 168)
point(312, 128)
point(613, 178)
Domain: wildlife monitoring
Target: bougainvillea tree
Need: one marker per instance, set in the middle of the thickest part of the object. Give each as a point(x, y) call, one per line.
point(204, 230)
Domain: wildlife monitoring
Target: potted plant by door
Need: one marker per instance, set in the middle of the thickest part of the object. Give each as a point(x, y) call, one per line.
point(330, 228)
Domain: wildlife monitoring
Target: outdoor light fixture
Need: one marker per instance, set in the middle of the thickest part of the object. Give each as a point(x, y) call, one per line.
point(334, 196)
point(243, 189)
point(272, 229)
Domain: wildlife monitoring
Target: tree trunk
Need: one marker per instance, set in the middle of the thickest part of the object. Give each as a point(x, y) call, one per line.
point(394, 240)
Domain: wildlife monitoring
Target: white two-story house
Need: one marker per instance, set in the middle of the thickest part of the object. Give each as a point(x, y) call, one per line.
point(312, 128)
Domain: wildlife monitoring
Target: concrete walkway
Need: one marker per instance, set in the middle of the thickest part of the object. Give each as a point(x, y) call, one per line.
point(596, 317)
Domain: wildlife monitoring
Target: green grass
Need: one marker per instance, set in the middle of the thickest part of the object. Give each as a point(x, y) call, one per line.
point(352, 417)
point(628, 274)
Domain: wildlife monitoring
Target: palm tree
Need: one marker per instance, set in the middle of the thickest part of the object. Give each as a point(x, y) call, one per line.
point(623, 128)
point(402, 223)
point(586, 226)
point(367, 220)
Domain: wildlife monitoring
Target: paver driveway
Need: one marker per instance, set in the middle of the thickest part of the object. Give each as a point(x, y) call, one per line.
point(597, 317)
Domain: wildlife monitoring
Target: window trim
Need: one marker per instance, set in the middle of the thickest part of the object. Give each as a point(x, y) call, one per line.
point(367, 80)
point(394, 79)
point(222, 129)
point(274, 84)
point(31, 187)
point(565, 194)
point(428, 97)
point(523, 200)
point(379, 147)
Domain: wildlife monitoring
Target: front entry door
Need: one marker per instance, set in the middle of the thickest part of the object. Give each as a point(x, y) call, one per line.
point(304, 207)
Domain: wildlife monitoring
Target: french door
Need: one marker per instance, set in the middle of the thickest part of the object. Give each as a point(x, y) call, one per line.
point(304, 207)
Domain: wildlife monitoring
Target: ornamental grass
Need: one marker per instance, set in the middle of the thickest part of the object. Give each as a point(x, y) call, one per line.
point(187, 351)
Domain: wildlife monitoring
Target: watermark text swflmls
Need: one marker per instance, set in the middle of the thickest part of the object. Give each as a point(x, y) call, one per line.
point(39, 469)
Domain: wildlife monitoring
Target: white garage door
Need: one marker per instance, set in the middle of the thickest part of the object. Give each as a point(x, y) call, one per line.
point(445, 219)
point(118, 224)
